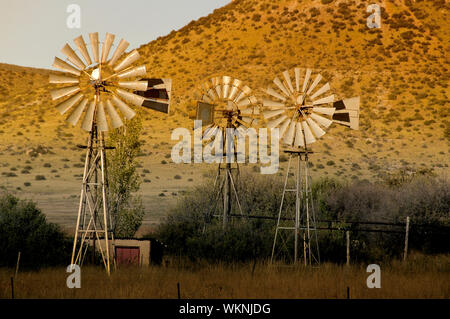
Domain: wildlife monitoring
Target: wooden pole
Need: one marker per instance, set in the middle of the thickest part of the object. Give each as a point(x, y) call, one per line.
point(254, 266)
point(304, 248)
point(348, 292)
point(347, 233)
point(17, 265)
point(12, 287)
point(405, 252)
point(178, 290)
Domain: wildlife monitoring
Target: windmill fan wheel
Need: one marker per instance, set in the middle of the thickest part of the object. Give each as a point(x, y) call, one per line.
point(98, 89)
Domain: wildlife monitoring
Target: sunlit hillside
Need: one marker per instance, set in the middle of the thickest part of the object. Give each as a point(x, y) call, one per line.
point(400, 71)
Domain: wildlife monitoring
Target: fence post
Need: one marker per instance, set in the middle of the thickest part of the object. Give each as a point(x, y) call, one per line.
point(347, 233)
point(178, 290)
point(12, 287)
point(17, 265)
point(405, 251)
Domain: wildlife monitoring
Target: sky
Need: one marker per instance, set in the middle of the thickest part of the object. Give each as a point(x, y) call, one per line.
point(34, 31)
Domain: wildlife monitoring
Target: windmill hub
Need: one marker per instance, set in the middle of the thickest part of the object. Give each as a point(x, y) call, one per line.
point(96, 75)
point(298, 109)
point(97, 82)
point(225, 112)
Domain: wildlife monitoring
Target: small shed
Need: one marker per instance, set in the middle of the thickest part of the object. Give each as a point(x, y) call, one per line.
point(132, 252)
point(135, 252)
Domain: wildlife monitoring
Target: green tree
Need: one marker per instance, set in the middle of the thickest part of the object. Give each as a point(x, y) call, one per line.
point(123, 179)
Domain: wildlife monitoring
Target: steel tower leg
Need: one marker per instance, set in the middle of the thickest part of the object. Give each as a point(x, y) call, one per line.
point(300, 221)
point(227, 195)
point(224, 188)
point(93, 220)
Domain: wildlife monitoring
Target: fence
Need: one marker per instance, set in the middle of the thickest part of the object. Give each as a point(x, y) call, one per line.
point(368, 226)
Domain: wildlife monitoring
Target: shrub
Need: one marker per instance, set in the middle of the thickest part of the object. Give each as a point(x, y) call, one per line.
point(40, 178)
point(9, 174)
point(407, 35)
point(24, 228)
point(424, 198)
point(191, 229)
point(314, 12)
point(256, 17)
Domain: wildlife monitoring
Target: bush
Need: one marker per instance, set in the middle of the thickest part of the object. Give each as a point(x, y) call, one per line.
point(256, 17)
point(425, 199)
point(24, 228)
point(192, 231)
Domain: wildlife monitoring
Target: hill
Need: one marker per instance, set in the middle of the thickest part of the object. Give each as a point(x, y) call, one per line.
point(400, 71)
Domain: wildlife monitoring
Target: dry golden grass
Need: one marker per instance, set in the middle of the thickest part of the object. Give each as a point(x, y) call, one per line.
point(421, 277)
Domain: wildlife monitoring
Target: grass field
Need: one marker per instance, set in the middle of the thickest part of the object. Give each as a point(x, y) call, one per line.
point(420, 277)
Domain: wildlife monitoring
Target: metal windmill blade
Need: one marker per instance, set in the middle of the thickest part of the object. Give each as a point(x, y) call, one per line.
point(114, 83)
point(302, 110)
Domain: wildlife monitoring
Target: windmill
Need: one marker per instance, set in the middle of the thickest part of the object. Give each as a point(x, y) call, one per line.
point(302, 110)
point(225, 103)
point(97, 91)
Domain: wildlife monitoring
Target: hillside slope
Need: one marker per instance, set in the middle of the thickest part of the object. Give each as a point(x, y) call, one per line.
point(400, 71)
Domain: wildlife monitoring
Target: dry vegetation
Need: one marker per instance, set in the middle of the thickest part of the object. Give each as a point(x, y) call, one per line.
point(400, 71)
point(421, 277)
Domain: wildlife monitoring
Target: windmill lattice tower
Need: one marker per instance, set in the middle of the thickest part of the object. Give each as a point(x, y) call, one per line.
point(97, 88)
point(224, 103)
point(302, 113)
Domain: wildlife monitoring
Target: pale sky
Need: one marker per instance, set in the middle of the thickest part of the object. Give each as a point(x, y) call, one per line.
point(34, 31)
